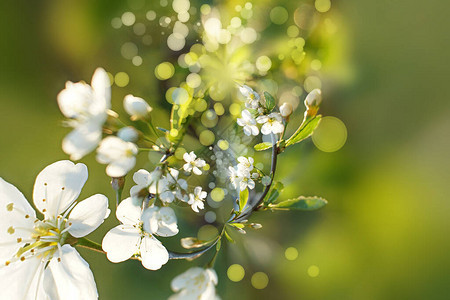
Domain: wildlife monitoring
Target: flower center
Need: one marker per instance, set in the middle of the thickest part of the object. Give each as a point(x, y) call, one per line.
point(46, 238)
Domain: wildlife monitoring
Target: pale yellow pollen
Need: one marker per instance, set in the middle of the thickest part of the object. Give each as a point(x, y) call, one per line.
point(10, 207)
point(7, 262)
point(22, 258)
point(27, 216)
point(11, 230)
point(19, 240)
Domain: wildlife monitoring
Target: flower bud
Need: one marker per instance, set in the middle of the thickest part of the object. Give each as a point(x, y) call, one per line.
point(128, 134)
point(136, 107)
point(286, 110)
point(314, 98)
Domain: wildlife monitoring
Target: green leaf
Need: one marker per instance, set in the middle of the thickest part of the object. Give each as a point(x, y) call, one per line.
point(270, 101)
point(263, 146)
point(300, 203)
point(229, 237)
point(192, 243)
point(275, 191)
point(243, 198)
point(305, 130)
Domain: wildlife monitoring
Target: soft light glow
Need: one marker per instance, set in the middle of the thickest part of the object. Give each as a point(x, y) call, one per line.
point(176, 41)
point(217, 194)
point(291, 253)
point(322, 5)
point(260, 280)
point(330, 135)
point(164, 71)
point(121, 79)
point(235, 272)
point(279, 15)
point(128, 18)
point(313, 271)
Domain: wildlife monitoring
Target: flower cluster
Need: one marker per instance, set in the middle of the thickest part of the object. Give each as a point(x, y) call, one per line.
point(240, 176)
point(259, 112)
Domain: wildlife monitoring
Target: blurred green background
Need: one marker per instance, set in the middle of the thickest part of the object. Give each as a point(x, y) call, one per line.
point(385, 232)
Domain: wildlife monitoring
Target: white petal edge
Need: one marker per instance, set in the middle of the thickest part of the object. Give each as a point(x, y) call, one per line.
point(121, 242)
point(88, 215)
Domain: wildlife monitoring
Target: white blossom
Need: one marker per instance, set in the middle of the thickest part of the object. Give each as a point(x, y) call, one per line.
point(195, 284)
point(86, 106)
point(136, 107)
point(193, 163)
point(174, 188)
point(252, 98)
point(136, 234)
point(153, 182)
point(196, 200)
point(248, 123)
point(272, 123)
point(128, 134)
point(38, 264)
point(118, 154)
point(241, 178)
point(245, 164)
point(286, 110)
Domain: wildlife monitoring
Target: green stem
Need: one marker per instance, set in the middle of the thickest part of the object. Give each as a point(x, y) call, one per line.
point(88, 244)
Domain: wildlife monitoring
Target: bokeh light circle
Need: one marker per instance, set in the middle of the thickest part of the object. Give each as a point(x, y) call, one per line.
point(330, 135)
point(260, 280)
point(279, 15)
point(164, 71)
point(235, 272)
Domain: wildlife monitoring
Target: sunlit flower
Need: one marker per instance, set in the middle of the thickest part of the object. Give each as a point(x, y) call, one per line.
point(86, 106)
point(246, 182)
point(153, 182)
point(286, 110)
point(245, 164)
point(136, 235)
point(38, 264)
point(174, 187)
point(272, 123)
point(196, 283)
point(136, 107)
point(118, 154)
point(248, 123)
point(193, 163)
point(241, 178)
point(196, 200)
point(128, 134)
point(252, 97)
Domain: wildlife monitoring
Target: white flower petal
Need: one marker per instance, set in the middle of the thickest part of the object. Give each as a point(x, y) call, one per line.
point(142, 177)
point(187, 157)
point(58, 186)
point(22, 280)
point(120, 167)
point(266, 129)
point(181, 281)
point(16, 213)
point(128, 212)
point(83, 139)
point(69, 277)
point(196, 171)
point(88, 215)
point(153, 254)
point(101, 86)
point(121, 242)
point(277, 127)
point(150, 219)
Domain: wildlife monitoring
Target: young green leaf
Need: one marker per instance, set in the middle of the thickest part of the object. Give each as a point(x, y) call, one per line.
point(263, 146)
point(270, 101)
point(304, 131)
point(243, 198)
point(275, 191)
point(300, 203)
point(229, 237)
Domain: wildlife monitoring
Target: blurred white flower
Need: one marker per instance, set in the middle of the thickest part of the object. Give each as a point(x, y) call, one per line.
point(241, 178)
point(86, 106)
point(272, 123)
point(118, 155)
point(286, 110)
point(196, 283)
point(136, 235)
point(314, 98)
point(174, 187)
point(248, 123)
point(37, 262)
point(197, 198)
point(193, 163)
point(245, 164)
point(128, 134)
point(136, 107)
point(252, 97)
